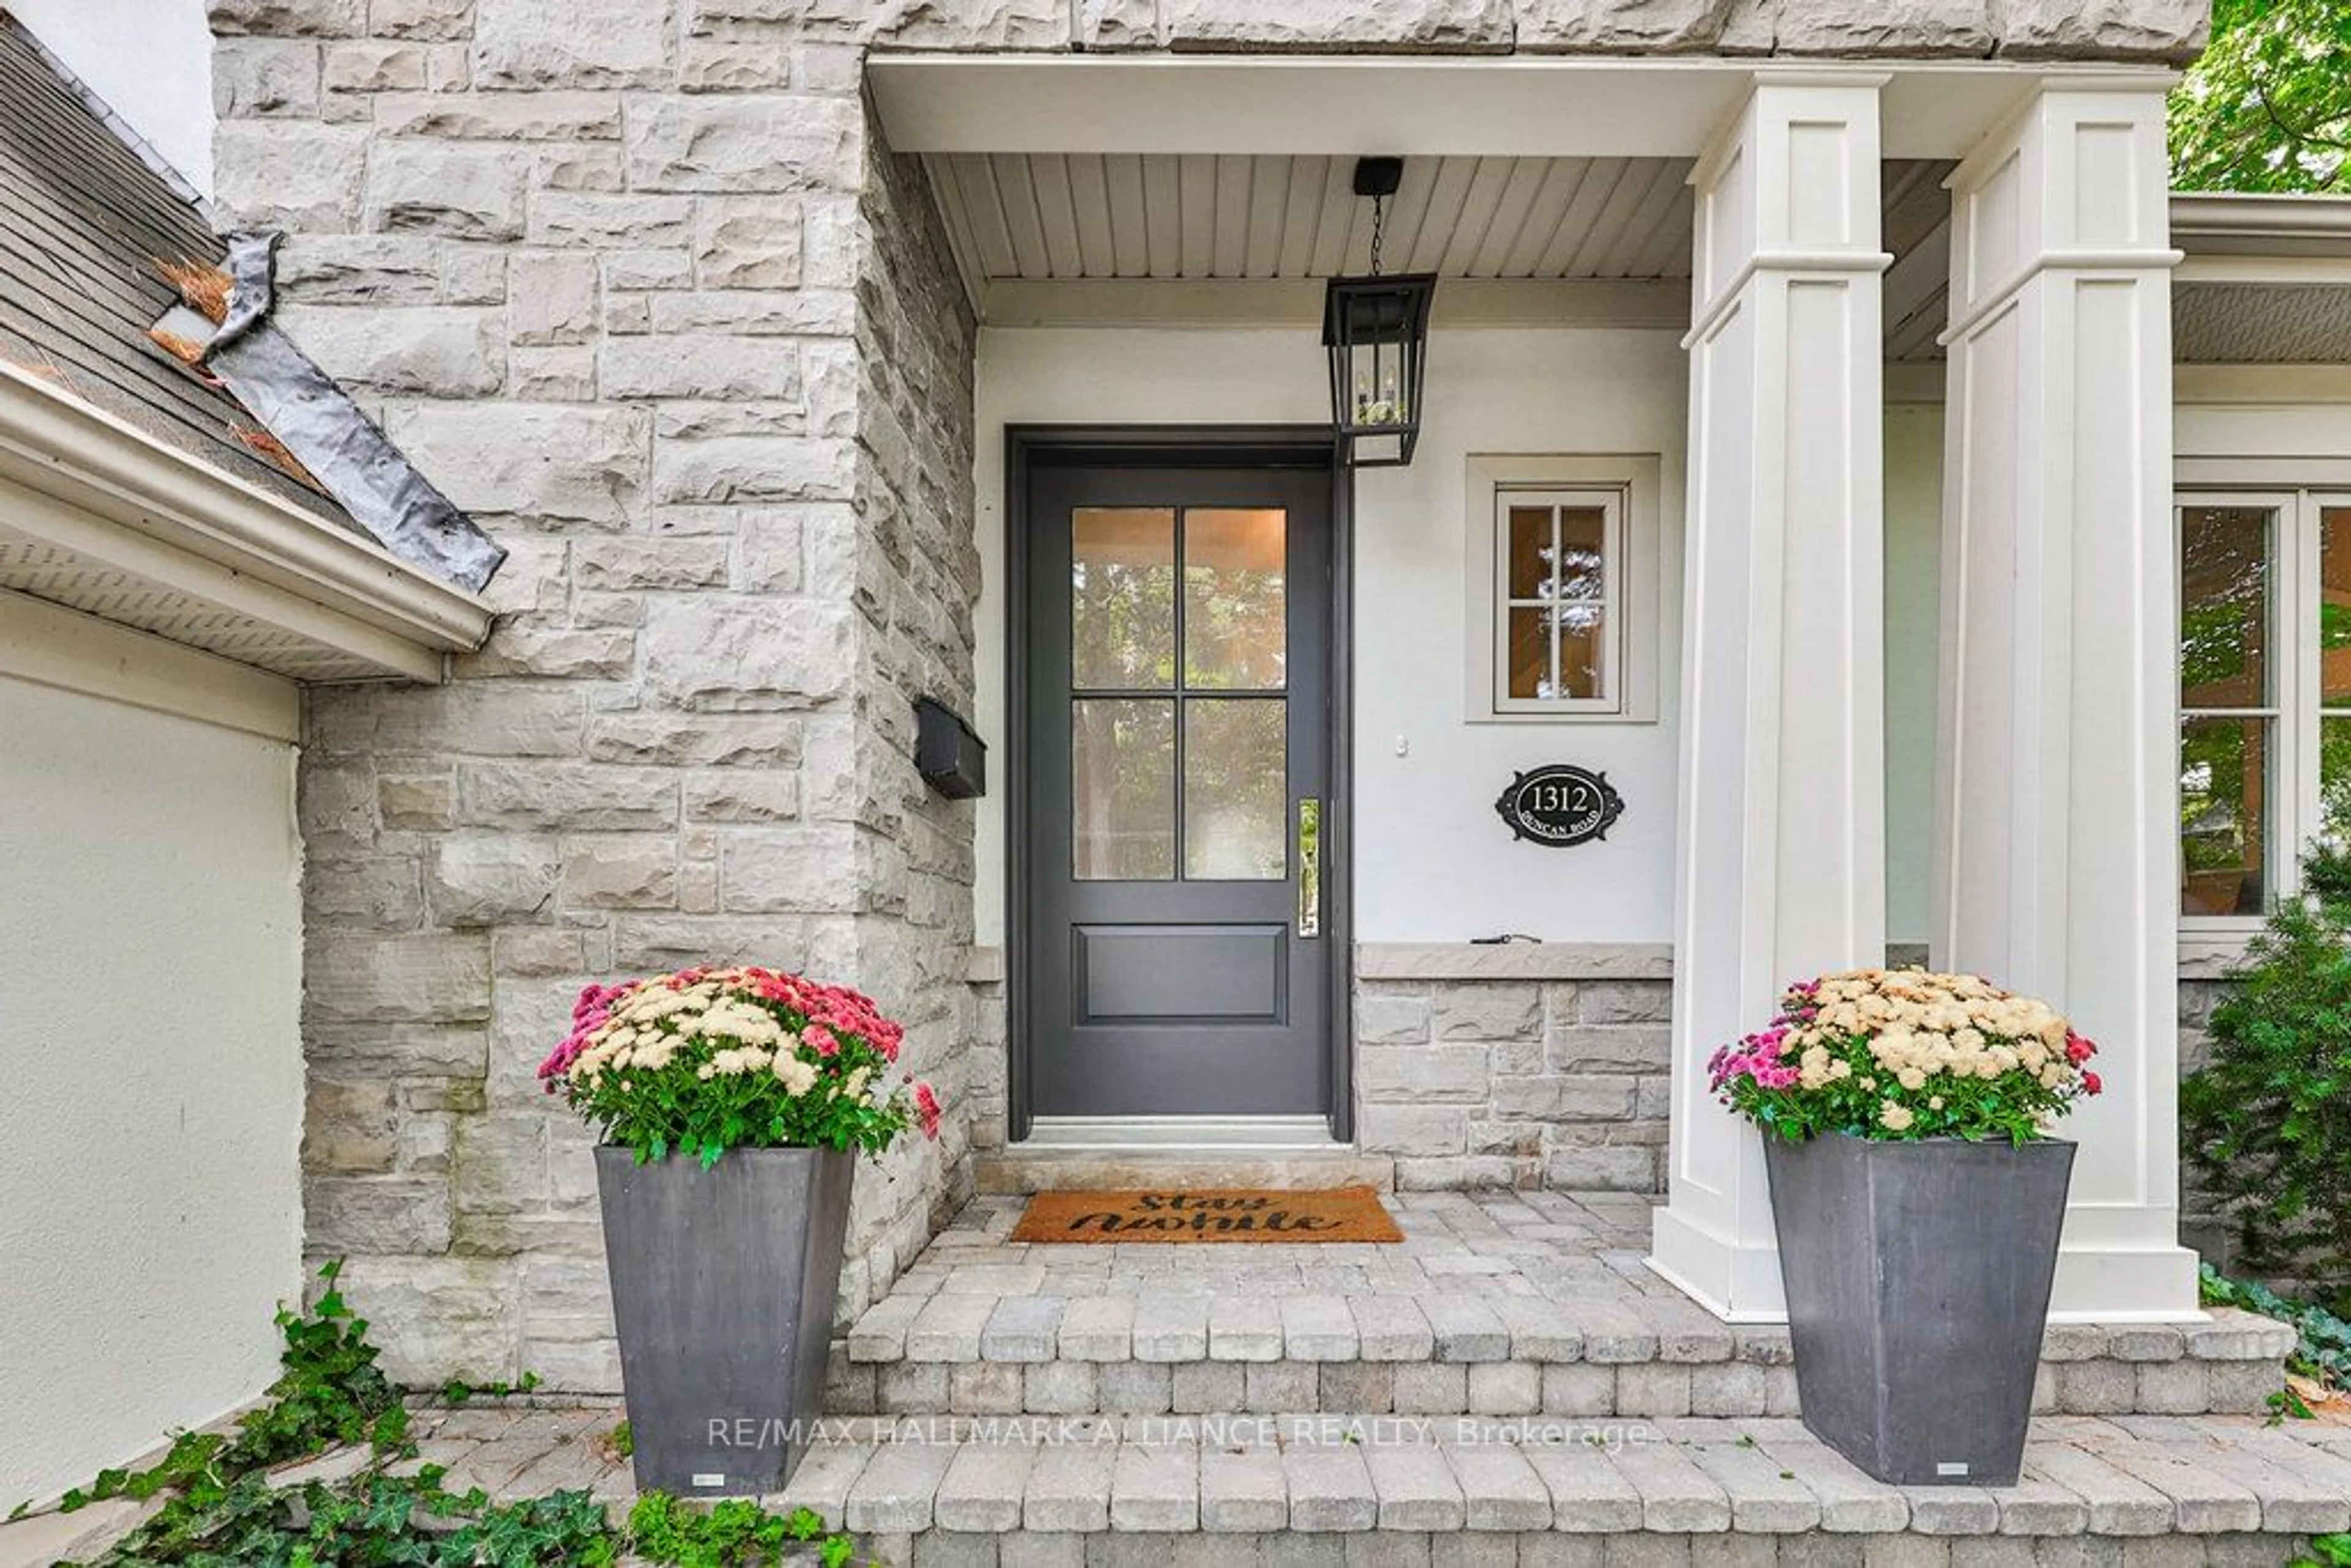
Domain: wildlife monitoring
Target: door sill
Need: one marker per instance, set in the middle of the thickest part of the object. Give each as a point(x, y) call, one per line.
point(1191, 1134)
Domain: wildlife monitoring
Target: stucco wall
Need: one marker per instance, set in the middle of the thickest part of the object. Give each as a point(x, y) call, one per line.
point(148, 1189)
point(150, 60)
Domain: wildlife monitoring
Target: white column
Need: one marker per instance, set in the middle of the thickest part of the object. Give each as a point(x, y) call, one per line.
point(2056, 803)
point(1781, 848)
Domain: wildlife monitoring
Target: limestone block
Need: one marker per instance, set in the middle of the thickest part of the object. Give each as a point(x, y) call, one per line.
point(349, 1215)
point(1622, 27)
point(482, 721)
point(1624, 1001)
point(556, 462)
point(746, 654)
point(1565, 1097)
point(968, 25)
point(544, 116)
point(637, 871)
point(515, 649)
point(747, 243)
point(629, 562)
point(1414, 1129)
point(699, 365)
point(740, 795)
point(432, 351)
point(1117, 25)
point(1910, 28)
point(381, 891)
point(577, 797)
point(755, 64)
point(287, 174)
point(725, 740)
point(753, 468)
point(488, 879)
point(259, 76)
point(1416, 26)
point(363, 977)
point(470, 193)
point(1428, 1073)
point(798, 868)
point(594, 220)
point(1584, 1169)
point(572, 43)
point(2172, 30)
point(435, 1317)
point(552, 297)
point(767, 143)
point(1483, 1012)
point(375, 65)
point(437, 19)
point(288, 19)
point(357, 269)
point(349, 1128)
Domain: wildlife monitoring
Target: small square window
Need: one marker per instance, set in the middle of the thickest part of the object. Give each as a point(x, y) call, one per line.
point(1562, 589)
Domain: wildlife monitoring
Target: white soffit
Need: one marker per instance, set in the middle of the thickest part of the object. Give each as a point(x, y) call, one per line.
point(99, 516)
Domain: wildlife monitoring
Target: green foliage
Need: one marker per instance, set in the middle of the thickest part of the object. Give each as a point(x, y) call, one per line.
point(734, 1533)
point(2324, 1352)
point(2326, 1552)
point(457, 1390)
point(623, 1439)
point(2267, 1122)
point(2268, 107)
point(222, 1512)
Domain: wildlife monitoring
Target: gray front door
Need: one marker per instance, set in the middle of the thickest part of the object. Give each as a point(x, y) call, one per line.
point(1177, 620)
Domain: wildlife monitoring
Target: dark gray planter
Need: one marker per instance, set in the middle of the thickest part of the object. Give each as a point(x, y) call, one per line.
point(1917, 1277)
point(723, 1285)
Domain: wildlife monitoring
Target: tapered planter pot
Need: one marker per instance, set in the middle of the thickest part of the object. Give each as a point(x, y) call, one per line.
point(723, 1285)
point(1917, 1278)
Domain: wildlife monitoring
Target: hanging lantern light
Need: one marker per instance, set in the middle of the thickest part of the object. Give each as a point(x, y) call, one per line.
point(1376, 330)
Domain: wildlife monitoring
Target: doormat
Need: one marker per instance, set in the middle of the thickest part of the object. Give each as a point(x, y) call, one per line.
point(1212, 1214)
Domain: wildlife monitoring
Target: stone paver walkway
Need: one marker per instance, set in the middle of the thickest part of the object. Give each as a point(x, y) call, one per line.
point(1494, 1304)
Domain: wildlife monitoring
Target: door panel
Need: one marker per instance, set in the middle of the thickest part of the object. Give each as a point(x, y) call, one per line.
point(1178, 627)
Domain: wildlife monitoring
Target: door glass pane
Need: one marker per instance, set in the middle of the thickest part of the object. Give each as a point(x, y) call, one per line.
point(1236, 790)
point(2335, 604)
point(1236, 610)
point(1530, 552)
point(1123, 789)
point(2224, 804)
point(1123, 598)
point(2224, 606)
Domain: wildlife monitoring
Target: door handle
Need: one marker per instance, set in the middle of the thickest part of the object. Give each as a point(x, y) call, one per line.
point(1309, 867)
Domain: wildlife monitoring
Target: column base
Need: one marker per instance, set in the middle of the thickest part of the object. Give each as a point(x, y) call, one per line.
point(2108, 1283)
point(1737, 1281)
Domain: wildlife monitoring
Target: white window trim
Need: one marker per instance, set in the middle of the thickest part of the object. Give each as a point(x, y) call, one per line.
point(2295, 700)
point(1629, 484)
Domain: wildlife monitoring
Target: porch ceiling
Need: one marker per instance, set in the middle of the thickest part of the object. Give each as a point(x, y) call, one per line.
point(1096, 232)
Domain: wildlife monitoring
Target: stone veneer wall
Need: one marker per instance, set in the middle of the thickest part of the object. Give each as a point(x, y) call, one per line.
point(1515, 1066)
point(641, 290)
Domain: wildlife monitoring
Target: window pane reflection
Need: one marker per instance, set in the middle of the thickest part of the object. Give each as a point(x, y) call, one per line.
point(1235, 788)
point(2224, 805)
point(1123, 598)
point(1123, 789)
point(1235, 608)
point(2225, 577)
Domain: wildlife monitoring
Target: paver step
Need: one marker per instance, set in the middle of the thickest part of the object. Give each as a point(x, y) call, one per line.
point(1764, 1491)
point(968, 1352)
point(1335, 1488)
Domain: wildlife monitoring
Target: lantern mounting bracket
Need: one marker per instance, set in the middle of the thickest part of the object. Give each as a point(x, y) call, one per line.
point(1378, 176)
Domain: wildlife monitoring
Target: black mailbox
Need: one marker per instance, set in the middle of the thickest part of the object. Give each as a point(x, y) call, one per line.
point(950, 757)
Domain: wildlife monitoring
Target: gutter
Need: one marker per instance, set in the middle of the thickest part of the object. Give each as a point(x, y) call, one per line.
point(53, 443)
point(2322, 223)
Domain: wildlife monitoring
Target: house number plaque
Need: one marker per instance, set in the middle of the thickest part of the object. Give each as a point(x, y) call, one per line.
point(1560, 806)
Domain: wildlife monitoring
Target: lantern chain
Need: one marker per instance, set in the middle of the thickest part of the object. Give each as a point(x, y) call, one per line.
point(1379, 228)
